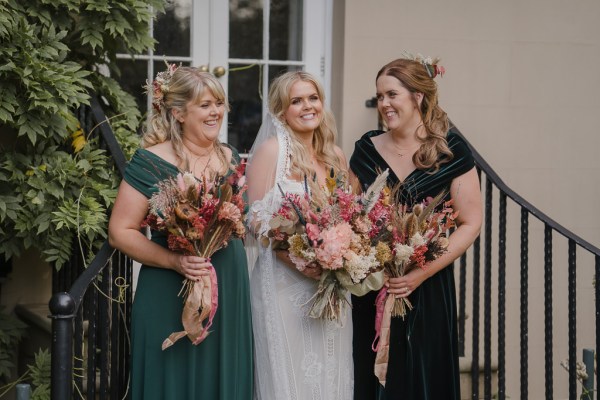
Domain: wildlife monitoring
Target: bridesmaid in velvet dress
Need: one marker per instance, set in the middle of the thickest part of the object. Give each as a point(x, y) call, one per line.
point(425, 156)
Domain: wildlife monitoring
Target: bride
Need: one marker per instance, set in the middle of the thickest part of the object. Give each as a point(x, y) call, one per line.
point(297, 357)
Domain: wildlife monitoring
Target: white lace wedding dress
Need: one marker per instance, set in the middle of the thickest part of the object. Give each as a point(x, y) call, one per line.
point(296, 357)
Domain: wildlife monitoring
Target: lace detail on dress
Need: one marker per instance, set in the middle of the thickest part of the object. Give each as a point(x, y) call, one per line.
point(283, 159)
point(262, 210)
point(297, 357)
point(260, 213)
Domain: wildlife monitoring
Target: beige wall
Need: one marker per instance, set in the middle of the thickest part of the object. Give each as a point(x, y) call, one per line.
point(523, 85)
point(30, 282)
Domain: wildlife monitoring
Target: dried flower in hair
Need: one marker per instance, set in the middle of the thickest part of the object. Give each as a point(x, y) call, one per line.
point(159, 87)
point(430, 64)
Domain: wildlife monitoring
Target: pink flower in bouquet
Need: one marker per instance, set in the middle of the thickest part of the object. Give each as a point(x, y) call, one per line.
point(199, 218)
point(230, 212)
point(417, 236)
point(313, 233)
point(332, 230)
point(349, 207)
point(208, 208)
point(199, 222)
point(180, 244)
point(379, 215)
point(335, 243)
point(418, 256)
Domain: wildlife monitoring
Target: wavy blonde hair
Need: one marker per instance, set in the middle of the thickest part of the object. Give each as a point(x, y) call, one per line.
point(413, 76)
point(187, 85)
point(325, 135)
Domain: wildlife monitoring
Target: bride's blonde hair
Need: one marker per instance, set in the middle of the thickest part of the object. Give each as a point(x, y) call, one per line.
point(325, 135)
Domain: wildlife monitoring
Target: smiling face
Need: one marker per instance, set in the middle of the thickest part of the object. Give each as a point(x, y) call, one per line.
point(305, 112)
point(202, 119)
point(397, 105)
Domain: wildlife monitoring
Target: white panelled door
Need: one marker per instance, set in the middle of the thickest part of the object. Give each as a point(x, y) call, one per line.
point(246, 43)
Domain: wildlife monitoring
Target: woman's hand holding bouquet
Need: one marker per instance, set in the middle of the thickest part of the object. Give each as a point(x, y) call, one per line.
point(415, 237)
point(199, 217)
point(335, 230)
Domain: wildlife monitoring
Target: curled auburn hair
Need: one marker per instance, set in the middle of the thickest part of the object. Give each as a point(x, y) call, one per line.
point(414, 76)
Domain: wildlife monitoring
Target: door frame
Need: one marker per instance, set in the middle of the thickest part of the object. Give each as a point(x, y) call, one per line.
point(210, 41)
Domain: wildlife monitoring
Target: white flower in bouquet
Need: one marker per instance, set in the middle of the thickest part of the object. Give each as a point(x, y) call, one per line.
point(403, 253)
point(417, 240)
point(359, 266)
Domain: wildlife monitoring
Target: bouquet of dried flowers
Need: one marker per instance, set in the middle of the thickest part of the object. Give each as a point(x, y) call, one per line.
point(415, 237)
point(199, 218)
point(334, 228)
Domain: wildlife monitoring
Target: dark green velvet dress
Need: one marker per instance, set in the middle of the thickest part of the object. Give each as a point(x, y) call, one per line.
point(423, 358)
point(219, 368)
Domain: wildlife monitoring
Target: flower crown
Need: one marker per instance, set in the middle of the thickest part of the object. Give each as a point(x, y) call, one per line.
point(160, 86)
point(430, 64)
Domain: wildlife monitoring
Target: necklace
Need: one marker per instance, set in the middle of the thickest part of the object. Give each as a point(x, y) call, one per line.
point(401, 151)
point(198, 157)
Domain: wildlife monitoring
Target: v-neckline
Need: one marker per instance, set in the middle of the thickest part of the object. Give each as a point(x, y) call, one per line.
point(175, 167)
point(392, 171)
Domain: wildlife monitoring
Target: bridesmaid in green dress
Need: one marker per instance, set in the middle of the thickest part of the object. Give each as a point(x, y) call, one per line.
point(426, 157)
point(182, 136)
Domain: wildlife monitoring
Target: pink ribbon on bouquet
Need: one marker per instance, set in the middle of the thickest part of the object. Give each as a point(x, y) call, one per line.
point(200, 305)
point(383, 318)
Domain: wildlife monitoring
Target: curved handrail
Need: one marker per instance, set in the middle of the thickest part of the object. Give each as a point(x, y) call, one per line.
point(106, 251)
point(493, 176)
point(64, 305)
point(90, 273)
point(107, 134)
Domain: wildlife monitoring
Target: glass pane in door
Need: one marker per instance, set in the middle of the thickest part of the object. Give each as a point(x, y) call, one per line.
point(246, 29)
point(245, 116)
point(254, 60)
point(285, 30)
point(172, 29)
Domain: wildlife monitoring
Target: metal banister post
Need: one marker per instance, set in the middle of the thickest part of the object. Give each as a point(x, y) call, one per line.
point(62, 308)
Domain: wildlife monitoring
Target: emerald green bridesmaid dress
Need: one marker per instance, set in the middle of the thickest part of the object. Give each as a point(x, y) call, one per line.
point(219, 368)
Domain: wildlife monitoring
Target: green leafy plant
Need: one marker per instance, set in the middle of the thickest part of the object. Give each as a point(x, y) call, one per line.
point(38, 374)
point(12, 331)
point(57, 184)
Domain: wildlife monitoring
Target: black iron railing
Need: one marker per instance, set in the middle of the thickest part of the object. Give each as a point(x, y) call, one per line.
point(494, 312)
point(91, 307)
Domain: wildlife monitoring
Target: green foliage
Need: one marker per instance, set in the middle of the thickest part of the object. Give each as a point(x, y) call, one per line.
point(12, 331)
point(56, 184)
point(40, 375)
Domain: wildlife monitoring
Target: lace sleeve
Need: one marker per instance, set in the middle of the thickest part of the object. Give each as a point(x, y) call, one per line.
point(260, 214)
point(268, 164)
